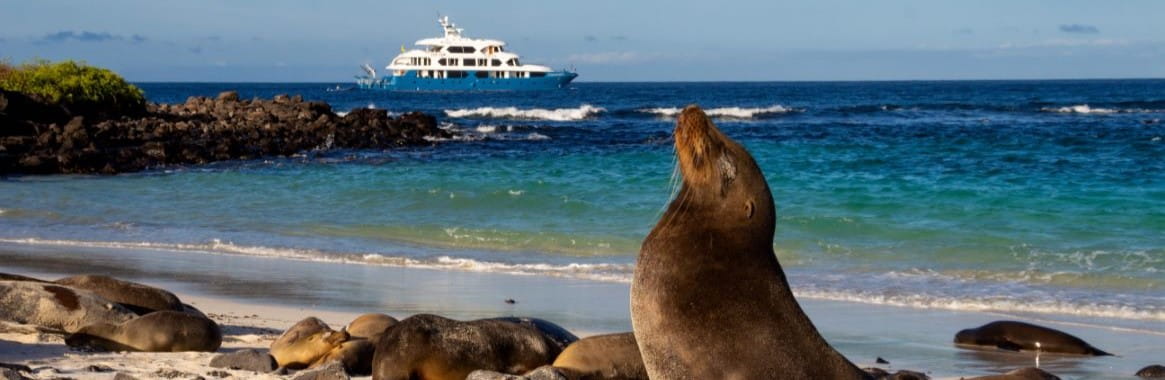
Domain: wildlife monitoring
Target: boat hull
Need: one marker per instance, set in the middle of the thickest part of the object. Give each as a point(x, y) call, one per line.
point(410, 82)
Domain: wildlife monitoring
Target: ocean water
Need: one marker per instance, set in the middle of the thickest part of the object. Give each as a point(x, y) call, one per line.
point(1027, 197)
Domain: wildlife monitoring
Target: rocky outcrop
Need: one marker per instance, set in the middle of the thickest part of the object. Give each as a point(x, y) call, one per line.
point(40, 139)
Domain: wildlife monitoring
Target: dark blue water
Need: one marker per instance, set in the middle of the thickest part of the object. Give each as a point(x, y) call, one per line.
point(1032, 196)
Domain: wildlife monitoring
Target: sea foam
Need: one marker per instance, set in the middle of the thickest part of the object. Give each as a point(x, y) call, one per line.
point(1080, 109)
point(558, 114)
point(724, 112)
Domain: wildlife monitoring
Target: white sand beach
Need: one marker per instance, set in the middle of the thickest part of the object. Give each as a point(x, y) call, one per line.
point(909, 338)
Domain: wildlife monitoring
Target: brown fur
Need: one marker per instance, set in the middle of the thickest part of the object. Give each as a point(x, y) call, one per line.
point(162, 331)
point(17, 277)
point(355, 355)
point(603, 357)
point(56, 307)
point(431, 347)
point(709, 299)
point(67, 298)
point(142, 299)
point(367, 325)
point(305, 343)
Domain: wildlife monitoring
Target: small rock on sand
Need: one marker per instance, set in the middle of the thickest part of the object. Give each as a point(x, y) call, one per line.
point(333, 371)
point(249, 359)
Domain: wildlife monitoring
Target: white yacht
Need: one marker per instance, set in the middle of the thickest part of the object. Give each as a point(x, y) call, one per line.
point(454, 62)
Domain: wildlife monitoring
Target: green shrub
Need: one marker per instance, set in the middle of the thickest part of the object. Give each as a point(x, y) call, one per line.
point(80, 88)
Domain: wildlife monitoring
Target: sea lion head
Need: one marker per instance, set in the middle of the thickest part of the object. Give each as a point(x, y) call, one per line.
point(720, 176)
point(966, 336)
point(98, 337)
point(305, 342)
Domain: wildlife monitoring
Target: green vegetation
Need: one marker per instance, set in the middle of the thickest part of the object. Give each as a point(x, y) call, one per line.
point(78, 87)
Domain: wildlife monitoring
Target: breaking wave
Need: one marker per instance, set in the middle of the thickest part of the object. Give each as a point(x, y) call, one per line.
point(1085, 109)
point(725, 112)
point(558, 114)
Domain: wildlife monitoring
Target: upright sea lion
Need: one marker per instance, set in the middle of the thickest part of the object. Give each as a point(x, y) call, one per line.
point(305, 343)
point(603, 357)
point(140, 298)
point(1020, 336)
point(57, 307)
point(1029, 373)
point(160, 331)
point(431, 347)
point(709, 299)
point(367, 325)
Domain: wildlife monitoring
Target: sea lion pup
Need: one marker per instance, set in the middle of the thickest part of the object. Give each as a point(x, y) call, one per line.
point(160, 331)
point(431, 347)
point(367, 325)
point(1020, 336)
point(142, 299)
point(1029, 373)
point(709, 299)
point(603, 357)
point(305, 343)
point(56, 307)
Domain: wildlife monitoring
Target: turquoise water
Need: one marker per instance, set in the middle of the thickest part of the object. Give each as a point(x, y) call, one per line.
point(1039, 197)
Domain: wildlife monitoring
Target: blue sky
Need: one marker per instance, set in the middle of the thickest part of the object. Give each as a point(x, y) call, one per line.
point(620, 40)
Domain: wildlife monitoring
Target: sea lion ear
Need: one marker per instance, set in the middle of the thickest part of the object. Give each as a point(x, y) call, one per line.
point(749, 208)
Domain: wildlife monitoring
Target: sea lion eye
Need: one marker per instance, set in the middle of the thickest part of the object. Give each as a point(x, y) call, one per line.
point(749, 209)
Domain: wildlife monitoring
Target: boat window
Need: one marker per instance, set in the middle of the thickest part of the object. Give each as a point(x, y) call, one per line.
point(537, 74)
point(441, 61)
point(481, 74)
point(434, 49)
point(453, 49)
point(456, 74)
point(494, 62)
point(469, 62)
point(513, 62)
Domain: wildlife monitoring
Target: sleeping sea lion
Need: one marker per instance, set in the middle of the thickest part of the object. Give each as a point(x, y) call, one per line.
point(1020, 336)
point(603, 357)
point(160, 331)
point(367, 325)
point(305, 343)
point(431, 347)
point(709, 299)
point(1029, 373)
point(56, 307)
point(142, 299)
point(355, 355)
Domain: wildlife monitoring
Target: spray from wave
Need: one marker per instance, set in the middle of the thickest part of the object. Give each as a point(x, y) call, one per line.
point(725, 112)
point(558, 114)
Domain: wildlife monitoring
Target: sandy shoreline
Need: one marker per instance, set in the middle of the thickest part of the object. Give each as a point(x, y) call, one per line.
point(253, 314)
